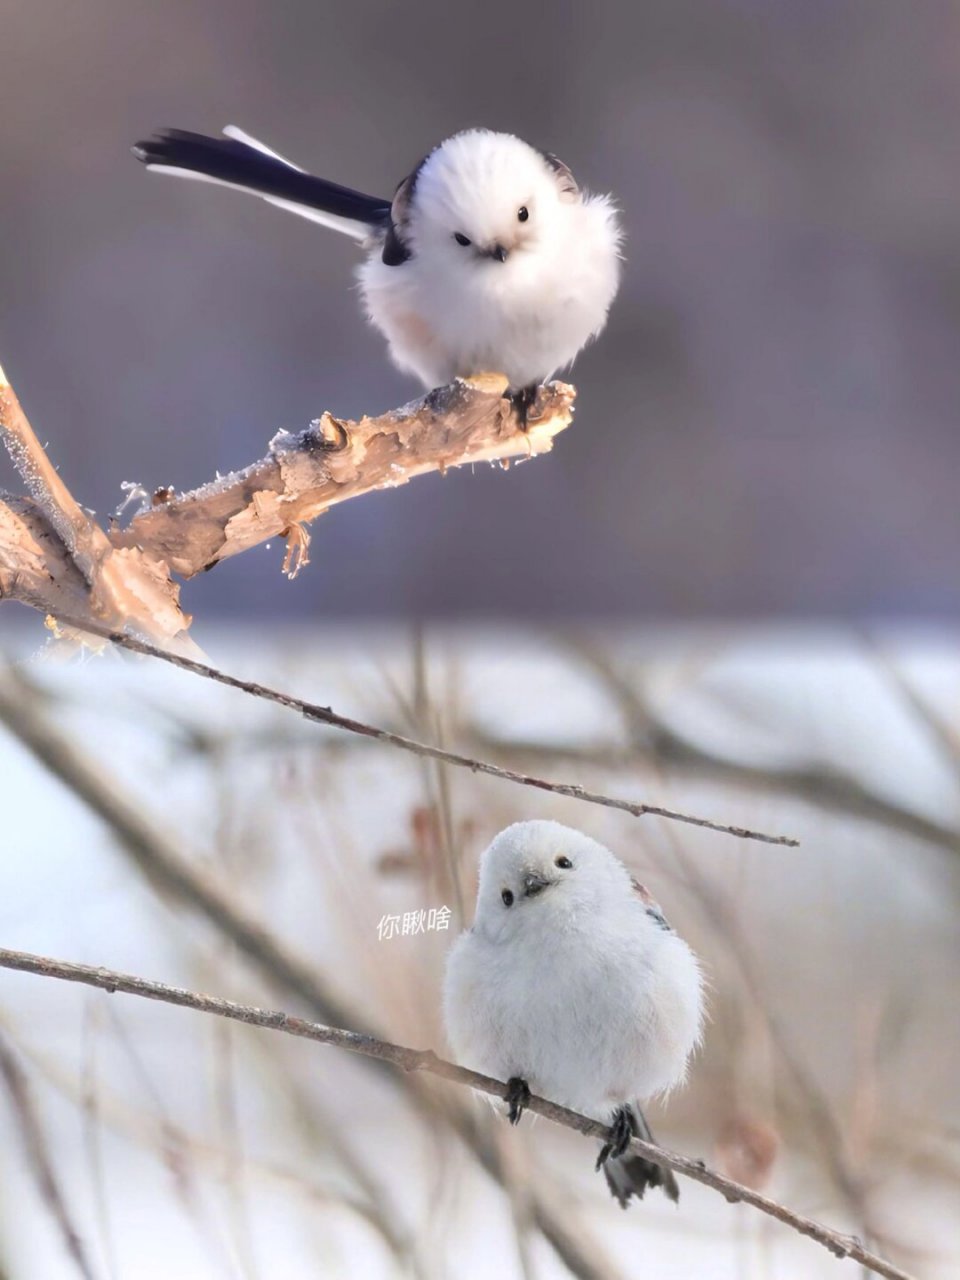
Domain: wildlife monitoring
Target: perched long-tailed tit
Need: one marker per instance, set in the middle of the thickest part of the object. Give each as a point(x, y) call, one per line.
point(572, 985)
point(489, 257)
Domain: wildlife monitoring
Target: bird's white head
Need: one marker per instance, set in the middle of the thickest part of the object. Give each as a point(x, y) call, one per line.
point(537, 869)
point(485, 201)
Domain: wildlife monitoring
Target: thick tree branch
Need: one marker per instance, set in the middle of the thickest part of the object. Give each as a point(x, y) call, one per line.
point(126, 587)
point(35, 566)
point(333, 460)
point(56, 558)
point(80, 535)
point(426, 1060)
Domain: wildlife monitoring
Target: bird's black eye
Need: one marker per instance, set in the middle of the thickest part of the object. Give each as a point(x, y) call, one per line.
point(523, 213)
point(461, 238)
point(563, 861)
point(507, 897)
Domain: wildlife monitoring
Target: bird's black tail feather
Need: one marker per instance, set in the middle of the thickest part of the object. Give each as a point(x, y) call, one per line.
point(630, 1175)
point(236, 163)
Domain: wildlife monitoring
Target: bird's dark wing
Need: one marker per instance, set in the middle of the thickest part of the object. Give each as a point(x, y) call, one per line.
point(650, 905)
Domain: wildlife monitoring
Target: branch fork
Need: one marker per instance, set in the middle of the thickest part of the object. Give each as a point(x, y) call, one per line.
point(56, 558)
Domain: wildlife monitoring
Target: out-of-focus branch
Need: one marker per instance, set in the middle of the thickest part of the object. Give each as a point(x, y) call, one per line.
point(38, 1159)
point(653, 740)
point(815, 783)
point(941, 731)
point(157, 1133)
point(167, 866)
point(179, 878)
point(425, 1060)
point(56, 558)
point(819, 1118)
point(661, 748)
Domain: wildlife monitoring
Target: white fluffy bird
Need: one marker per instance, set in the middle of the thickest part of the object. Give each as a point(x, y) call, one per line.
point(488, 259)
point(572, 985)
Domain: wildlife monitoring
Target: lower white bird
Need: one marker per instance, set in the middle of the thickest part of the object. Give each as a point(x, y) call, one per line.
point(572, 985)
point(488, 259)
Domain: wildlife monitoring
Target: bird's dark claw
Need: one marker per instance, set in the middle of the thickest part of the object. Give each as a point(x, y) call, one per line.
point(624, 1128)
point(523, 401)
point(516, 1098)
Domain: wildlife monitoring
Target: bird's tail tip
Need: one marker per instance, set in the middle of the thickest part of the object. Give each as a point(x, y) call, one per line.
point(160, 148)
point(631, 1175)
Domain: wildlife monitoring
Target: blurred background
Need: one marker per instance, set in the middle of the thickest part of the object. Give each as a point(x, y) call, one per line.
point(184, 1147)
point(768, 424)
point(732, 589)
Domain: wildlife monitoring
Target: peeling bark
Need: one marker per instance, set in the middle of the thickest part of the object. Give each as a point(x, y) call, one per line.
point(56, 558)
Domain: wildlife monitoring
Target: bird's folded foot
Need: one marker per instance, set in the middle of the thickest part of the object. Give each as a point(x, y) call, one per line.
point(523, 401)
point(621, 1131)
point(516, 1098)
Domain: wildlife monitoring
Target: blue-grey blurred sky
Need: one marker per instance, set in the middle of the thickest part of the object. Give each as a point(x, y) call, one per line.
point(769, 426)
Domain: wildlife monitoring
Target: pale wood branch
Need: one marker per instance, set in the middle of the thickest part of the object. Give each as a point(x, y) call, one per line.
point(35, 566)
point(127, 586)
point(303, 475)
point(425, 1060)
point(56, 558)
point(50, 549)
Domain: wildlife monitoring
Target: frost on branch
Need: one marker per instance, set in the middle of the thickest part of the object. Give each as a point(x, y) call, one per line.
point(55, 557)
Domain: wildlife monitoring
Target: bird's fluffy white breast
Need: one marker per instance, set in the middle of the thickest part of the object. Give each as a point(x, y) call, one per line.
point(446, 314)
point(593, 1014)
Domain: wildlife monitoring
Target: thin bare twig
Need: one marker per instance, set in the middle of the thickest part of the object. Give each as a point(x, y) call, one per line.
point(427, 1061)
point(177, 876)
point(326, 715)
point(812, 782)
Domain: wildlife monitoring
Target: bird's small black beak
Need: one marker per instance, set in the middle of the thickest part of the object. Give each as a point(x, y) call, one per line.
point(534, 883)
point(499, 252)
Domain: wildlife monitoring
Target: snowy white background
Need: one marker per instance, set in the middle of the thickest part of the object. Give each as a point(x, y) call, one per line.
point(192, 1149)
